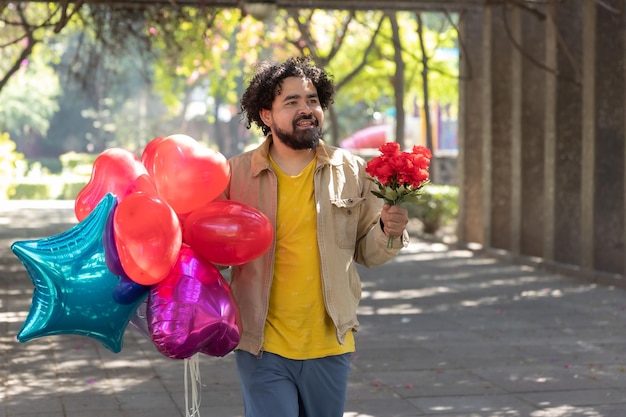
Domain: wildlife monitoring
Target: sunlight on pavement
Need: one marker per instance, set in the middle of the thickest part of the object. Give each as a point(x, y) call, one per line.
point(409, 294)
point(11, 317)
point(567, 411)
point(36, 204)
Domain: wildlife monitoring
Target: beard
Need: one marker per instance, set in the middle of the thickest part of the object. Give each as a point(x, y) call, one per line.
point(300, 139)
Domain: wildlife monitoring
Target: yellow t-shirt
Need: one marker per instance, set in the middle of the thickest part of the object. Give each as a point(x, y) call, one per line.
point(297, 325)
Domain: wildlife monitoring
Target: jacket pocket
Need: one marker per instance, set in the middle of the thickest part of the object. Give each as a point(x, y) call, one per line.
point(345, 220)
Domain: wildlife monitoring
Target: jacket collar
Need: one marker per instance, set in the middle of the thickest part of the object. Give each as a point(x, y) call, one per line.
point(260, 160)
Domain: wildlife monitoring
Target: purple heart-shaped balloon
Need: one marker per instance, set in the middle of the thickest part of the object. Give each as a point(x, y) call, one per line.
point(192, 310)
point(111, 257)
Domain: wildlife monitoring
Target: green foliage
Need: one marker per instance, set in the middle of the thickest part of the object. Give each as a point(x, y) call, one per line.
point(30, 191)
point(23, 26)
point(46, 188)
point(437, 206)
point(29, 100)
point(77, 163)
point(73, 169)
point(71, 189)
point(108, 99)
point(8, 159)
point(128, 75)
point(77, 170)
point(51, 165)
point(8, 156)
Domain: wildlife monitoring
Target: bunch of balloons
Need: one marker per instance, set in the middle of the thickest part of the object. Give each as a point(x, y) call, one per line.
point(152, 233)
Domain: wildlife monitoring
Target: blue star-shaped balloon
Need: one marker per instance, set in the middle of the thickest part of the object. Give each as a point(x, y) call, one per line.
point(73, 286)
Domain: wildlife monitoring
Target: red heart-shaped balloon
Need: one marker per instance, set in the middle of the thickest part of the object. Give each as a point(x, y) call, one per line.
point(228, 232)
point(147, 237)
point(187, 174)
point(147, 156)
point(116, 171)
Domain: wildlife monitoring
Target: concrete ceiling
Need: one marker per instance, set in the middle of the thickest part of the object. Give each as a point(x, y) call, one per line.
point(306, 4)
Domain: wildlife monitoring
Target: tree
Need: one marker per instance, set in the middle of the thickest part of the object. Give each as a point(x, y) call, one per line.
point(441, 36)
point(212, 50)
point(28, 103)
point(133, 72)
point(23, 26)
point(425, 84)
point(398, 79)
point(324, 34)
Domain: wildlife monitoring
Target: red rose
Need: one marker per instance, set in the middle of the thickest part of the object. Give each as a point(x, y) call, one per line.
point(400, 176)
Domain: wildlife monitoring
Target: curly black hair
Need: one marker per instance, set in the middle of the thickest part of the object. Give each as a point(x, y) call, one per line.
point(266, 82)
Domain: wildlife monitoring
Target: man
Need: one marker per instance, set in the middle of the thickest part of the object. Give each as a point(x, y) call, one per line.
point(298, 301)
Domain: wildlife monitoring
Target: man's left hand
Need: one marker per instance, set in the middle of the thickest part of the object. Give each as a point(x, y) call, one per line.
point(395, 219)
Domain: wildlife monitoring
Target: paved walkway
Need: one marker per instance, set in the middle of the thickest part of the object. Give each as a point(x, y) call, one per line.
point(444, 333)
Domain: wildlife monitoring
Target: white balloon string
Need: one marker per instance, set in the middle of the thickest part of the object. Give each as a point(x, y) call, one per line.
point(192, 380)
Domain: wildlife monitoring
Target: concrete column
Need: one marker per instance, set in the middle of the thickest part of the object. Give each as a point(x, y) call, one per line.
point(516, 130)
point(549, 147)
point(487, 121)
point(543, 146)
point(588, 134)
point(569, 114)
point(624, 153)
point(501, 130)
point(604, 241)
point(533, 117)
point(470, 165)
point(461, 132)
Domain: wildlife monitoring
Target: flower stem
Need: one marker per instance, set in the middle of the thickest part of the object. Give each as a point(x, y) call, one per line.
point(390, 242)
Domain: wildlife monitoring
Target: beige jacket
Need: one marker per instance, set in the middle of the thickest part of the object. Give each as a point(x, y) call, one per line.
point(348, 231)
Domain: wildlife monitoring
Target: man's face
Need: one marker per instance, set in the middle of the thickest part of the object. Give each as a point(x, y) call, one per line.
point(296, 117)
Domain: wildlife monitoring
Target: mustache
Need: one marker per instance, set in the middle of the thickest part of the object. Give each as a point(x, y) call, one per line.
point(306, 117)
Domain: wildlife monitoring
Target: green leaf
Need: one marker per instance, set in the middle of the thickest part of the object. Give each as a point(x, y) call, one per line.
point(377, 194)
point(391, 194)
point(411, 199)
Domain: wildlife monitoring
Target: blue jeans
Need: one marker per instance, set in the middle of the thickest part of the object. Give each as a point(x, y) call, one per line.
point(273, 386)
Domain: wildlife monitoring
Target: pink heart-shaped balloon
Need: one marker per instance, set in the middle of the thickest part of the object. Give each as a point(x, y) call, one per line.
point(192, 310)
point(187, 174)
point(116, 171)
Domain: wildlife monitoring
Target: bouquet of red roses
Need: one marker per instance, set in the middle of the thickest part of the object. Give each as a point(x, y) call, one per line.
point(400, 176)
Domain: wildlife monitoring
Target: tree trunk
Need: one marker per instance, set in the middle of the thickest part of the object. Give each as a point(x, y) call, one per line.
point(398, 80)
point(429, 129)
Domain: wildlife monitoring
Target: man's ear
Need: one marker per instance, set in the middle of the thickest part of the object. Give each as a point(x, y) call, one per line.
point(265, 116)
